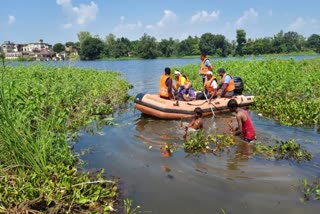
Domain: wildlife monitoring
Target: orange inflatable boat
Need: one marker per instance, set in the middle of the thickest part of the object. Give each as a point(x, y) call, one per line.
point(152, 104)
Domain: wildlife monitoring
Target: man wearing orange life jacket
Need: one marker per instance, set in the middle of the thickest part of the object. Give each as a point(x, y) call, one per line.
point(165, 89)
point(205, 66)
point(210, 86)
point(227, 84)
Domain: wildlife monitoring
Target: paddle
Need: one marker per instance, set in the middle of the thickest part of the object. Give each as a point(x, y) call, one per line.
point(209, 104)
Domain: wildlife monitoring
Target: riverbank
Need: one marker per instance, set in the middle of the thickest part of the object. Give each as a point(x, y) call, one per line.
point(42, 110)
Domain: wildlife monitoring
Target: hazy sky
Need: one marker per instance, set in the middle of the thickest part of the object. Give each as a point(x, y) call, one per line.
point(24, 21)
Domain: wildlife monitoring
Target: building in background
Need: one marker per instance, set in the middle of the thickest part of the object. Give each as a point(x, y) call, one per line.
point(37, 50)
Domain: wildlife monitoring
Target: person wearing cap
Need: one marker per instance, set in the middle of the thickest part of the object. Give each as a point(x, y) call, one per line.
point(210, 86)
point(180, 80)
point(205, 66)
point(165, 89)
point(183, 87)
point(226, 85)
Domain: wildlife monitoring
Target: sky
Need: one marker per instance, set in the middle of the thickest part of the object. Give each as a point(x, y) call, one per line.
point(59, 21)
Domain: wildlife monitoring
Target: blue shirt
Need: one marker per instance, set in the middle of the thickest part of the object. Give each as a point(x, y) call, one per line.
point(207, 63)
point(227, 79)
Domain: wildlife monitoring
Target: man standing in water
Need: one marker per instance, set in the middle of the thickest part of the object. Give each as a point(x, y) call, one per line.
point(245, 125)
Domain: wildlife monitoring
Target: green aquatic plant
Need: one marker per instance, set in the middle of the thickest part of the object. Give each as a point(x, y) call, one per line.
point(41, 109)
point(310, 190)
point(64, 190)
point(198, 142)
point(283, 150)
point(128, 207)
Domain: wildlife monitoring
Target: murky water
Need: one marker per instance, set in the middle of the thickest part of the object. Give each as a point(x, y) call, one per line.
point(195, 184)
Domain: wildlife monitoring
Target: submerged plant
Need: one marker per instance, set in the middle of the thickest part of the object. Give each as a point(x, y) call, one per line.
point(128, 207)
point(311, 191)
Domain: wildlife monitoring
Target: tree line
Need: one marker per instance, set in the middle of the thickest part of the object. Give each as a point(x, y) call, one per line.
point(147, 47)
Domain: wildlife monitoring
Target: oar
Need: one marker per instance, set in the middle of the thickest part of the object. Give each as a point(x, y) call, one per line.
point(209, 104)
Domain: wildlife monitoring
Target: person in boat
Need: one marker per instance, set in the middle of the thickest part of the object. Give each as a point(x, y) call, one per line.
point(205, 66)
point(245, 125)
point(165, 89)
point(180, 80)
point(226, 86)
point(209, 88)
point(196, 122)
point(183, 87)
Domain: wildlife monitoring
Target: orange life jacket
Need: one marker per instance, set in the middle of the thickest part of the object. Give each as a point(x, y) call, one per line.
point(231, 85)
point(203, 69)
point(208, 83)
point(163, 89)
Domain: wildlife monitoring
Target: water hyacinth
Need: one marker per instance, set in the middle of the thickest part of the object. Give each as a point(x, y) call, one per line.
point(285, 89)
point(40, 108)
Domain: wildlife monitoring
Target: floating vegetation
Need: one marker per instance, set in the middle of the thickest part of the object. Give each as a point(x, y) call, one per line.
point(283, 150)
point(198, 142)
point(63, 190)
point(311, 191)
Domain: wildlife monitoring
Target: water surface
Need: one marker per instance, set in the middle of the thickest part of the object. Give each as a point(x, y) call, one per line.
point(233, 182)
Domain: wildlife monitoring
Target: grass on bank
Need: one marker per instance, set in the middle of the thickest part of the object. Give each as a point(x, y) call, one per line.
point(41, 107)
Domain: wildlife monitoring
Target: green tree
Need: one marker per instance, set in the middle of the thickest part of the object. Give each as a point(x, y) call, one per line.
point(293, 42)
point(83, 35)
point(70, 44)
point(122, 47)
point(91, 49)
point(58, 48)
point(189, 47)
point(166, 47)
point(278, 45)
point(147, 47)
point(313, 42)
point(221, 45)
point(110, 48)
point(241, 40)
point(206, 43)
point(134, 47)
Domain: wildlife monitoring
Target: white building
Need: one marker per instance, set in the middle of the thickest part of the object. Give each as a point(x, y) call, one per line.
point(36, 47)
point(14, 51)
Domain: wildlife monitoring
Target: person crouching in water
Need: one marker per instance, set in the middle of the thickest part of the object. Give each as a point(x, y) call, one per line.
point(196, 123)
point(245, 125)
